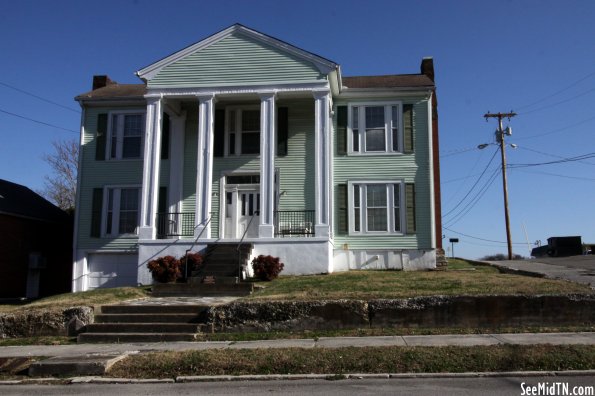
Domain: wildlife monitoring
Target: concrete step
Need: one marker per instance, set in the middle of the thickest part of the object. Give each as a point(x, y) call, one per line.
point(197, 278)
point(153, 308)
point(143, 328)
point(147, 318)
point(134, 337)
point(201, 289)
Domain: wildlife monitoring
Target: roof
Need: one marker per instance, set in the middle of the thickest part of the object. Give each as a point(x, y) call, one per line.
point(19, 200)
point(137, 91)
point(323, 64)
point(389, 81)
point(116, 91)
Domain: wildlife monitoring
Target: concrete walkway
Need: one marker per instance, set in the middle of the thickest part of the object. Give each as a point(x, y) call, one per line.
point(323, 342)
point(579, 269)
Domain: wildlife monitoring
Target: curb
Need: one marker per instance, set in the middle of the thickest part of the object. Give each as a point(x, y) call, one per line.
point(279, 377)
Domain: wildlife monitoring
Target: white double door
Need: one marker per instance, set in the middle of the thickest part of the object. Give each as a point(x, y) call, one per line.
point(242, 211)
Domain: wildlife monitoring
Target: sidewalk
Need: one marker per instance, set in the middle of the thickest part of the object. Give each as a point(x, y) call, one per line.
point(323, 342)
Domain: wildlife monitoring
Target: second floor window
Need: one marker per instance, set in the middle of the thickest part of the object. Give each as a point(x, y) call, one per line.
point(375, 128)
point(243, 132)
point(126, 136)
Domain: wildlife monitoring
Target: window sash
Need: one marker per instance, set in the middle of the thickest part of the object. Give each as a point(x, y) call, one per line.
point(243, 132)
point(126, 136)
point(375, 128)
point(375, 208)
point(122, 212)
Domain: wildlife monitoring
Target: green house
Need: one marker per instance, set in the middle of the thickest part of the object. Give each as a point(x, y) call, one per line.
point(244, 138)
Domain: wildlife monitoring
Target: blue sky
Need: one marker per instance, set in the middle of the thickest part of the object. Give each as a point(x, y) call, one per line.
point(533, 57)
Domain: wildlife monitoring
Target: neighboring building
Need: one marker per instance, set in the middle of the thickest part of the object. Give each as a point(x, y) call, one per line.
point(35, 244)
point(244, 135)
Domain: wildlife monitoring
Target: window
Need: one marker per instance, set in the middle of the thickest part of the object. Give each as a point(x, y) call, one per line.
point(126, 135)
point(243, 132)
point(121, 211)
point(375, 128)
point(375, 207)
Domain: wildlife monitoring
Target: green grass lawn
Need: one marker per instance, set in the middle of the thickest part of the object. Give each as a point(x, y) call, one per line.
point(460, 278)
point(88, 298)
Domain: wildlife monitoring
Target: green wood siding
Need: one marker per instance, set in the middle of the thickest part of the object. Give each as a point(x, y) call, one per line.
point(296, 169)
point(235, 60)
point(98, 174)
point(411, 168)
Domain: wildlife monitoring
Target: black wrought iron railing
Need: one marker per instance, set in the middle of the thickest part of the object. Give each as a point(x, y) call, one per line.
point(175, 224)
point(294, 223)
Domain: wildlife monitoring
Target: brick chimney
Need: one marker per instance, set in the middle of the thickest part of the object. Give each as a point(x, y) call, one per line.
point(427, 67)
point(101, 81)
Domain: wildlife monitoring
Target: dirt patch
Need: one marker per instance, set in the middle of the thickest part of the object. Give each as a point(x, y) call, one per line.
point(43, 322)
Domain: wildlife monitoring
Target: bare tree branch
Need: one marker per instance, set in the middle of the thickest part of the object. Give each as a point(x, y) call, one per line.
point(60, 186)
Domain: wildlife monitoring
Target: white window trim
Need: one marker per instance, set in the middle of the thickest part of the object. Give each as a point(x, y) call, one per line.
point(363, 207)
point(116, 219)
point(387, 128)
point(119, 139)
point(238, 132)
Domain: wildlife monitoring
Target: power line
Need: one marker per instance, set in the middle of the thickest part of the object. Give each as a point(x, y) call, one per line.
point(561, 161)
point(452, 196)
point(37, 121)
point(472, 187)
point(482, 239)
point(457, 152)
point(556, 175)
point(558, 103)
point(550, 155)
point(557, 92)
point(463, 212)
point(555, 130)
point(39, 97)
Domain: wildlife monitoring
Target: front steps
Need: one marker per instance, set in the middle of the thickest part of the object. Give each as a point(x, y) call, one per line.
point(145, 323)
point(219, 275)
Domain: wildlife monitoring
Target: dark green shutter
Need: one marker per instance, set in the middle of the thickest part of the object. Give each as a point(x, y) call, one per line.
point(341, 130)
point(219, 143)
point(410, 205)
point(162, 217)
point(97, 206)
point(101, 137)
point(165, 136)
point(282, 130)
point(408, 128)
point(342, 211)
point(162, 200)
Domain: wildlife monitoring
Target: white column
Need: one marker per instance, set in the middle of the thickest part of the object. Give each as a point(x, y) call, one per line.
point(322, 158)
point(204, 173)
point(176, 162)
point(152, 157)
point(268, 127)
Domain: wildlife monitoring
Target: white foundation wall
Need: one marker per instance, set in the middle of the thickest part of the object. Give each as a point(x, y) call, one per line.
point(407, 260)
point(302, 256)
point(150, 250)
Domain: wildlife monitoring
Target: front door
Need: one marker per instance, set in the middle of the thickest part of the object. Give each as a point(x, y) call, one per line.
point(242, 211)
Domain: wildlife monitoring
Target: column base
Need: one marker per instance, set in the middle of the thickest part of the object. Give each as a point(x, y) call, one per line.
point(321, 231)
point(266, 231)
point(146, 233)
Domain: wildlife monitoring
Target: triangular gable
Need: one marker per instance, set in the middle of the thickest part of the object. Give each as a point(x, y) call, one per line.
point(236, 56)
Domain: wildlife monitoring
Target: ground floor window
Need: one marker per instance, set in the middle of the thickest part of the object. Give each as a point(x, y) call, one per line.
point(121, 211)
point(375, 207)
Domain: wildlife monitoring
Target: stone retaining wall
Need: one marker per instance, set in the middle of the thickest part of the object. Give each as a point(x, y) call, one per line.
point(435, 311)
point(44, 322)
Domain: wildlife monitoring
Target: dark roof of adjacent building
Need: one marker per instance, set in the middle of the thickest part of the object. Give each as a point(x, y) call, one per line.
point(18, 200)
point(389, 81)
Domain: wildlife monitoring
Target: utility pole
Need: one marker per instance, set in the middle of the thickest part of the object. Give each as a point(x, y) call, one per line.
point(500, 139)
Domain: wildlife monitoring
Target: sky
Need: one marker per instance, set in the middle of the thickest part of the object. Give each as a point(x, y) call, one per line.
point(536, 58)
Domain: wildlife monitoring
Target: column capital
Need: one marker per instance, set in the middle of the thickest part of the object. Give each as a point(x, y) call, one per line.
point(206, 97)
point(264, 95)
point(320, 92)
point(154, 98)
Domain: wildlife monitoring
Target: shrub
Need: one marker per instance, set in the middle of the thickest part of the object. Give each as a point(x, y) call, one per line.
point(267, 268)
point(192, 261)
point(165, 269)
